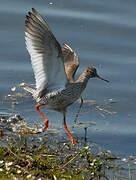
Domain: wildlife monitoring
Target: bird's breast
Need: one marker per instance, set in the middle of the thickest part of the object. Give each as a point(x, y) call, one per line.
point(60, 100)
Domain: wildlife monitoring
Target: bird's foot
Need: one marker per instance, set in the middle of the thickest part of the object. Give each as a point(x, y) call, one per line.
point(73, 141)
point(44, 129)
point(46, 126)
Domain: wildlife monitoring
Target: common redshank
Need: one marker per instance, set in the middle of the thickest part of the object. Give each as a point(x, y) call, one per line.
point(55, 85)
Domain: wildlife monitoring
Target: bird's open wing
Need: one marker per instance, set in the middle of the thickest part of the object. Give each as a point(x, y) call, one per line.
point(71, 62)
point(46, 54)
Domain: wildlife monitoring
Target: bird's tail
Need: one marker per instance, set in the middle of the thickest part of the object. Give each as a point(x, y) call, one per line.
point(28, 88)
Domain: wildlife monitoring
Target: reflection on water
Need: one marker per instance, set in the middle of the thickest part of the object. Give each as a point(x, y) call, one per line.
point(103, 35)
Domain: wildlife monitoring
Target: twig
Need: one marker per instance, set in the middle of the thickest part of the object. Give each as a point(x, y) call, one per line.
point(54, 177)
point(47, 155)
point(22, 159)
point(14, 154)
point(105, 110)
point(22, 168)
point(69, 161)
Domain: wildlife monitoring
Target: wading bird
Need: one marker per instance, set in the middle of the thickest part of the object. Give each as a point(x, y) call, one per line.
point(55, 86)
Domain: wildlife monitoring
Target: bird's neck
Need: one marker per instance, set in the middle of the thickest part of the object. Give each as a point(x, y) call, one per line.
point(83, 78)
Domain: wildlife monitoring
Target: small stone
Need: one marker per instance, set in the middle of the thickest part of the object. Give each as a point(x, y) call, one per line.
point(18, 171)
point(124, 160)
point(29, 176)
point(8, 163)
point(13, 89)
point(21, 84)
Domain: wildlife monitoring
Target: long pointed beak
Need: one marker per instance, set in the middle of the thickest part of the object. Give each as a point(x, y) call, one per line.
point(102, 78)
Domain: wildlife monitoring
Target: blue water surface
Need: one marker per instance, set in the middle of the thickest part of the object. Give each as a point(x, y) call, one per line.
point(103, 34)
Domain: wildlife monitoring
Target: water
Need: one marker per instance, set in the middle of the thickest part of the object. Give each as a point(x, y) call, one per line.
point(102, 33)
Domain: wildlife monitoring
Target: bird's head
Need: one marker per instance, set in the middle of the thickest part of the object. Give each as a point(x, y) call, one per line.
point(91, 72)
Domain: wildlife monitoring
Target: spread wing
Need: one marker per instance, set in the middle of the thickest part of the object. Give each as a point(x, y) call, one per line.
point(46, 54)
point(71, 62)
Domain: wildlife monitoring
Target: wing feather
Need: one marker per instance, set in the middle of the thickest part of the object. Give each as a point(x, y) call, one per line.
point(71, 62)
point(46, 54)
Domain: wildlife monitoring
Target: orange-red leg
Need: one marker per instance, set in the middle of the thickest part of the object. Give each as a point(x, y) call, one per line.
point(72, 140)
point(46, 120)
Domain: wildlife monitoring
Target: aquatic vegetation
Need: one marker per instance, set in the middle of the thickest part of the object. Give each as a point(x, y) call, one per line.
point(65, 161)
